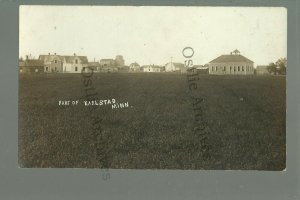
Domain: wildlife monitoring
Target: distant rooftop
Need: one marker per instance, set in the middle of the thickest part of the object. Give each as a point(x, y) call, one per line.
point(234, 56)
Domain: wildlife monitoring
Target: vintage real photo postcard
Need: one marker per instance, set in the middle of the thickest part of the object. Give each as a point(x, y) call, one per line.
point(125, 87)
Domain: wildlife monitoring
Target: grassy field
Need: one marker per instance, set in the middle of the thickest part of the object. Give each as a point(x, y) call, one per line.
point(245, 117)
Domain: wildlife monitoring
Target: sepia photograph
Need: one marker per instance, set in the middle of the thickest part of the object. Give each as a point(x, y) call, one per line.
point(152, 87)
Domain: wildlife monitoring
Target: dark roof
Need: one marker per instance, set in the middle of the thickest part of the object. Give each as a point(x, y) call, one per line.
point(231, 58)
point(33, 63)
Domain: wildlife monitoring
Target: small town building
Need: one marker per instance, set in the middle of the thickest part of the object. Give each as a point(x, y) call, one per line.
point(123, 69)
point(107, 63)
point(134, 67)
point(233, 64)
point(109, 69)
point(31, 66)
point(74, 64)
point(175, 67)
point(152, 68)
point(262, 70)
point(201, 69)
point(52, 63)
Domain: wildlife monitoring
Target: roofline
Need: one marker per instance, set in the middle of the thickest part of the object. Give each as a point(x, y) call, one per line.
point(232, 62)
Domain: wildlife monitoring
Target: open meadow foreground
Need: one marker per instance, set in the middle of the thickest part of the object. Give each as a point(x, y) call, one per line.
point(245, 122)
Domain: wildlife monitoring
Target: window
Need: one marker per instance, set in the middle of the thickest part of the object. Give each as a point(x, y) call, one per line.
point(216, 68)
point(55, 61)
point(54, 68)
point(46, 69)
point(224, 68)
point(242, 68)
point(76, 61)
point(238, 68)
point(76, 69)
point(212, 69)
point(230, 68)
point(234, 68)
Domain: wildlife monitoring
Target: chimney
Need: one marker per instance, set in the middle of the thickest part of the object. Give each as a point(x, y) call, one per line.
point(49, 54)
point(26, 57)
point(74, 54)
point(54, 53)
point(94, 60)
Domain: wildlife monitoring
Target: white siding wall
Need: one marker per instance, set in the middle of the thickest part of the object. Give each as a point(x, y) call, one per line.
point(231, 68)
point(170, 67)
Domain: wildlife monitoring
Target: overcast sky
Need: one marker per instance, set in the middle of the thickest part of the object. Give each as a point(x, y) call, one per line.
point(151, 35)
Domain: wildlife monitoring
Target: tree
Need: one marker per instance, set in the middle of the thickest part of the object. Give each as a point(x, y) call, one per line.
point(272, 68)
point(281, 66)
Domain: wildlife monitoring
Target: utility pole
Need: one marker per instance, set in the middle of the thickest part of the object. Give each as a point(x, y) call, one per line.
point(172, 63)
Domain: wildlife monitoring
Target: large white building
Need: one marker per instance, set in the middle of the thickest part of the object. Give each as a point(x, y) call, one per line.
point(233, 63)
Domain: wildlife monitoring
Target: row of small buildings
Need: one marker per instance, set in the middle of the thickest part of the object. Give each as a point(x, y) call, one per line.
point(233, 63)
point(53, 63)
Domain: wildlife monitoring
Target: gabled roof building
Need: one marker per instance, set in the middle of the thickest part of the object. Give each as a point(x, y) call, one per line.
point(67, 64)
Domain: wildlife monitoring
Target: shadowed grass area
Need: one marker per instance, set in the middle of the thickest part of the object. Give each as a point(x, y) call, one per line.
point(245, 121)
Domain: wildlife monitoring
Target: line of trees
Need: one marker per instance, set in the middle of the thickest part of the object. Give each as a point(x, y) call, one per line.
point(279, 67)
